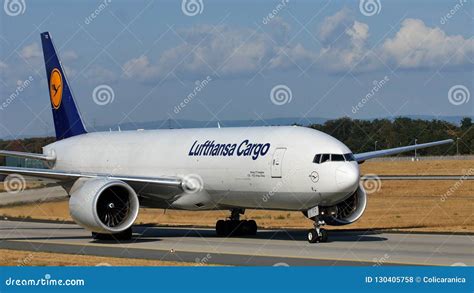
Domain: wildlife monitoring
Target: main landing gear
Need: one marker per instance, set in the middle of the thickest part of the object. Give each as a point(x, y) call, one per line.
point(234, 226)
point(317, 234)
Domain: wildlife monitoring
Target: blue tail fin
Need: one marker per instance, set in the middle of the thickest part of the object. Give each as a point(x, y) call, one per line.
point(67, 119)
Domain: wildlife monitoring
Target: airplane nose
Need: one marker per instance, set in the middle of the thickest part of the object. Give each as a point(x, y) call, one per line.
point(347, 177)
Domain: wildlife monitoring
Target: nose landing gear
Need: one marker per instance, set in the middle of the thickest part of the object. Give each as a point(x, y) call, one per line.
point(234, 226)
point(317, 234)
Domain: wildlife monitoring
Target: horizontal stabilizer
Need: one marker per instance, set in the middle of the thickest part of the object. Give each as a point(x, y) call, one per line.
point(28, 156)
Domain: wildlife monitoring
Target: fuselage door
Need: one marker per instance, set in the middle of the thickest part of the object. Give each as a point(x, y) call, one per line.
point(277, 162)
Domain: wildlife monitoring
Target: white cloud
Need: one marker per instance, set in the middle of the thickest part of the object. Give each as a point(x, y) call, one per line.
point(31, 51)
point(345, 46)
point(99, 74)
point(141, 69)
point(416, 45)
point(69, 55)
point(345, 42)
point(335, 25)
point(288, 57)
point(225, 50)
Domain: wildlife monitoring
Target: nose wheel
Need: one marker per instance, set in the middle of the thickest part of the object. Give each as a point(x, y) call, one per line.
point(236, 227)
point(314, 236)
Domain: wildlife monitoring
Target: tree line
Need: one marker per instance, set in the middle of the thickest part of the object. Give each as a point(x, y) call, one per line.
point(364, 135)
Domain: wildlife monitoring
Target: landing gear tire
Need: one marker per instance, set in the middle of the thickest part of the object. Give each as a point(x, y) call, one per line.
point(125, 235)
point(314, 237)
point(221, 228)
point(252, 227)
point(230, 228)
point(324, 235)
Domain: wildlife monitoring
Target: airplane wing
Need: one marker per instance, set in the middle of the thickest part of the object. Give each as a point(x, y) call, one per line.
point(138, 183)
point(375, 154)
point(416, 177)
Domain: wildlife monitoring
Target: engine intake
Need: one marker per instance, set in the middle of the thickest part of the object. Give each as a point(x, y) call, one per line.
point(103, 206)
point(347, 211)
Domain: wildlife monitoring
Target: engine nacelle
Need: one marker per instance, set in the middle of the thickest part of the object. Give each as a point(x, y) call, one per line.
point(103, 206)
point(347, 211)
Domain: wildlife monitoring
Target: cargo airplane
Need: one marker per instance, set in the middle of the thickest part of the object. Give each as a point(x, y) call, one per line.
point(110, 175)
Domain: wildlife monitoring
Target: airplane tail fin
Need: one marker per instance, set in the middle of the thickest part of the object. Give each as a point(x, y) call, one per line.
point(67, 119)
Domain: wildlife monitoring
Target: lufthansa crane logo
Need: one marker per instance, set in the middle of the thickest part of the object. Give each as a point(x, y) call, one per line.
point(56, 88)
point(314, 176)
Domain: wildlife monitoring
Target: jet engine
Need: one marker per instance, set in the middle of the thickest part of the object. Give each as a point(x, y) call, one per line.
point(347, 211)
point(103, 206)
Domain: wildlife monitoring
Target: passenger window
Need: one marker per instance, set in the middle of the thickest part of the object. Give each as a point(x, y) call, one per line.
point(317, 158)
point(337, 158)
point(325, 157)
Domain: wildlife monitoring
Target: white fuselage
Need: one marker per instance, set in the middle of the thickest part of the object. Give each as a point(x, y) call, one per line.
point(254, 167)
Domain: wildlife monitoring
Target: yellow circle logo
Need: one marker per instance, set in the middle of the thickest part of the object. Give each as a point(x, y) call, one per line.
point(56, 88)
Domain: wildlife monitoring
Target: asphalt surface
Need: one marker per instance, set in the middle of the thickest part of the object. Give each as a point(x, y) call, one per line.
point(32, 195)
point(269, 247)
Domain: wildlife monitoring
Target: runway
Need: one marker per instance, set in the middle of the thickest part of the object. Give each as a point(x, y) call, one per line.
point(269, 247)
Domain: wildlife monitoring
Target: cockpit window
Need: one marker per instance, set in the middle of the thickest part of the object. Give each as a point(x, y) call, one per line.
point(317, 158)
point(325, 158)
point(321, 158)
point(349, 157)
point(337, 158)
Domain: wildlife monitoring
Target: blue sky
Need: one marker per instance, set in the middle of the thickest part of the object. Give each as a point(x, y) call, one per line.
point(321, 58)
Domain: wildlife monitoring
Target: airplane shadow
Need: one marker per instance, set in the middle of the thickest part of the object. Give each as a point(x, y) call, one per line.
point(148, 233)
point(298, 235)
